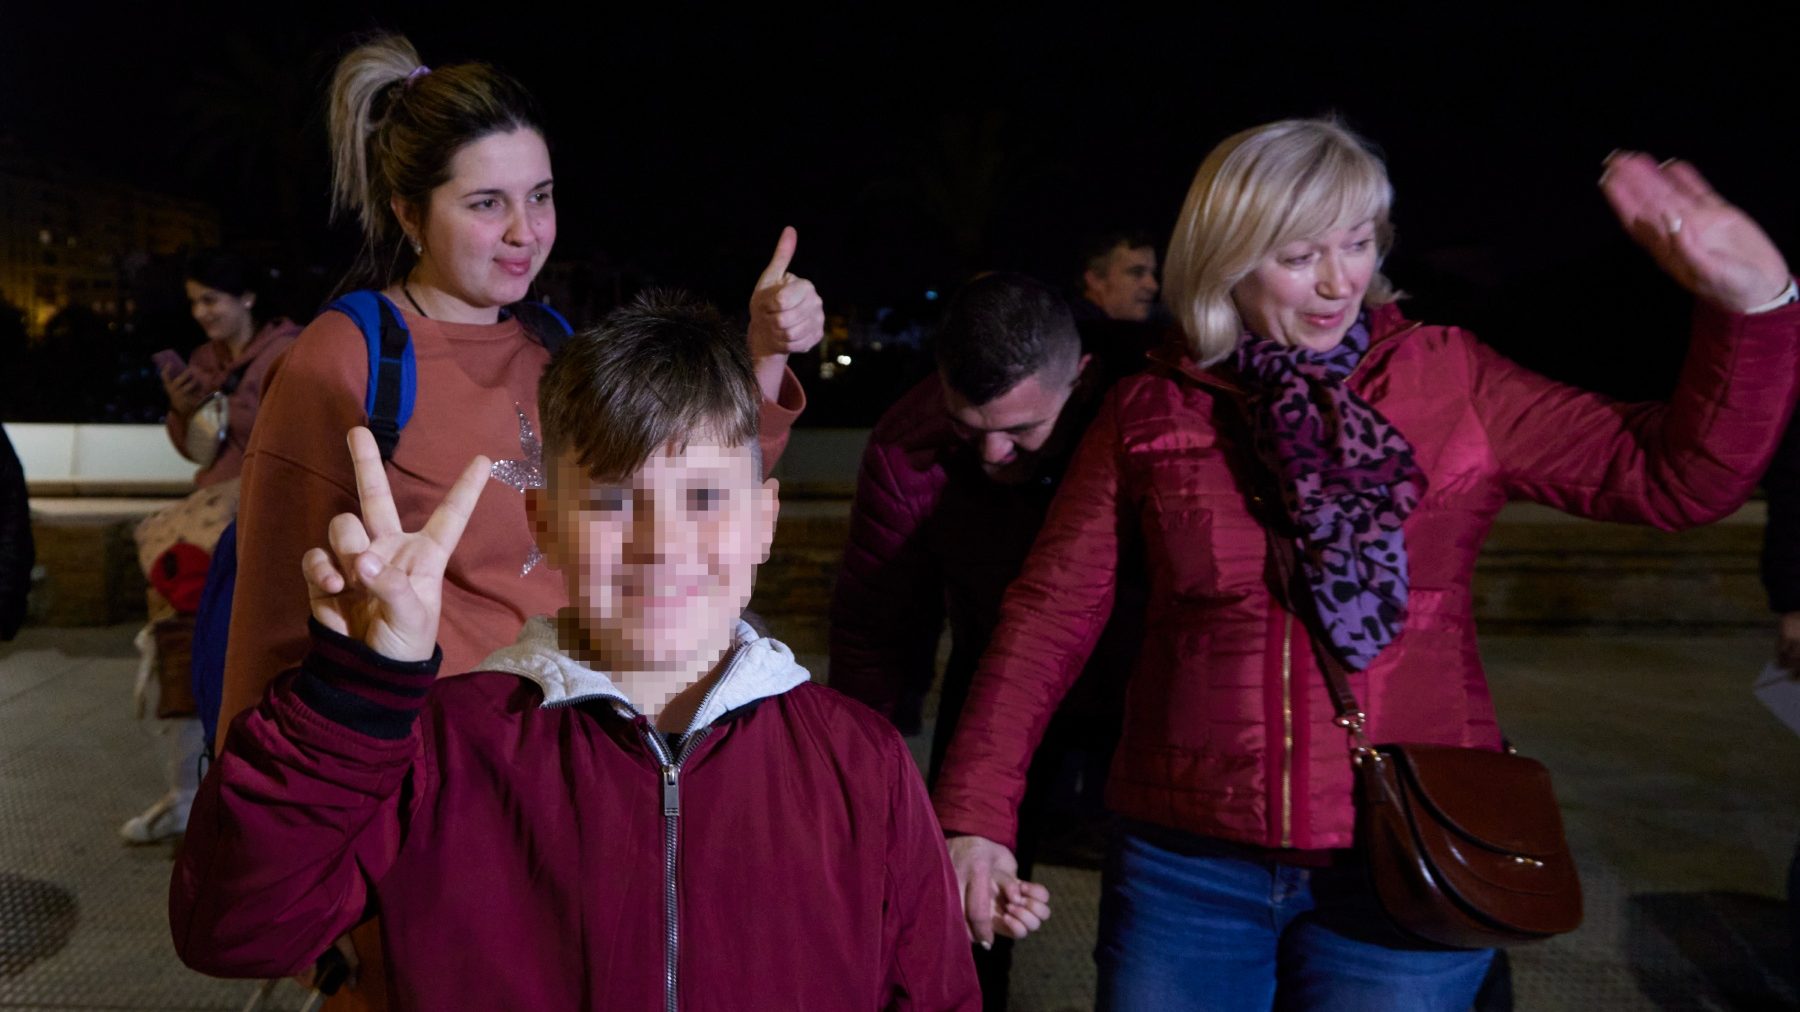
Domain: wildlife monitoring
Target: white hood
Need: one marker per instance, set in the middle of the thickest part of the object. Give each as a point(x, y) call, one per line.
point(759, 668)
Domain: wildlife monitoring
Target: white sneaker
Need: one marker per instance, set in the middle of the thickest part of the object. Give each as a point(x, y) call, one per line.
point(163, 820)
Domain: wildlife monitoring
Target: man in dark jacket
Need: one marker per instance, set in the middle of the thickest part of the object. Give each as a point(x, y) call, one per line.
point(955, 482)
point(17, 553)
point(1118, 278)
point(1115, 309)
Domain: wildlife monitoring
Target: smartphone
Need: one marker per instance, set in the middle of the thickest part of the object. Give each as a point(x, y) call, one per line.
point(169, 362)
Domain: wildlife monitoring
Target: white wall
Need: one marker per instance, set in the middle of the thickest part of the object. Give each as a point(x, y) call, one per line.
point(97, 455)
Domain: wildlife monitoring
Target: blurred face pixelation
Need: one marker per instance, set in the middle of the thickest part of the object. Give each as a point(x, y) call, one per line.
point(658, 564)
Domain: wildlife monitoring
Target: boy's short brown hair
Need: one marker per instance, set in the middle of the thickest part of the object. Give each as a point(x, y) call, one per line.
point(655, 373)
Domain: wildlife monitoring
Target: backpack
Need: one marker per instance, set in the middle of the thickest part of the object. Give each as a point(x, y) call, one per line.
point(388, 403)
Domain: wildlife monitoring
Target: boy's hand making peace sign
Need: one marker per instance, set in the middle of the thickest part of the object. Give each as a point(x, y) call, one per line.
point(378, 583)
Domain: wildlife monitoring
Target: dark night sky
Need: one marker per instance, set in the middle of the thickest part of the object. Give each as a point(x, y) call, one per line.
point(684, 139)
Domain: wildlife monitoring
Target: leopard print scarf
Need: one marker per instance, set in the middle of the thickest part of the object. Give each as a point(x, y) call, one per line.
point(1347, 479)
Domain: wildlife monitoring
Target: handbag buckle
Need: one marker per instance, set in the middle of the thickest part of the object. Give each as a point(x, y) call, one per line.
point(1352, 721)
point(1362, 752)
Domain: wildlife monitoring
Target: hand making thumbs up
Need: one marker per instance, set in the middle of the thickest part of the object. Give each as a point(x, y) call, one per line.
point(786, 313)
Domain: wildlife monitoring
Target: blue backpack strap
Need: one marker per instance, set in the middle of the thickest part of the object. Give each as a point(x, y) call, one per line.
point(393, 371)
point(544, 324)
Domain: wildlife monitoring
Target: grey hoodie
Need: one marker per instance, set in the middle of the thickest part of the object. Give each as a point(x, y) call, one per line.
point(759, 667)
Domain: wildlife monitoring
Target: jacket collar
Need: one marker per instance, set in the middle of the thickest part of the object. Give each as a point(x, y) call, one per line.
point(759, 667)
point(1386, 323)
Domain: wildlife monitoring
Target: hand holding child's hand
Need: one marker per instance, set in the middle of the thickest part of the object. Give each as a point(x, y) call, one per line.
point(378, 583)
point(994, 898)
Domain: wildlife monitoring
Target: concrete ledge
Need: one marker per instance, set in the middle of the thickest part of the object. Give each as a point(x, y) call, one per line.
point(1545, 572)
point(90, 572)
point(1540, 572)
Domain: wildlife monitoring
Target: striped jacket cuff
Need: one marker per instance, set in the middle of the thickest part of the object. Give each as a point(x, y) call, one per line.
point(347, 683)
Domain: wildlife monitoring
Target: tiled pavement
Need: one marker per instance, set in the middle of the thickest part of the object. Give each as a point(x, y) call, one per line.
point(1679, 791)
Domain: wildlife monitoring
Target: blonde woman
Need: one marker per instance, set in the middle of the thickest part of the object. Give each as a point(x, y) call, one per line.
point(1234, 883)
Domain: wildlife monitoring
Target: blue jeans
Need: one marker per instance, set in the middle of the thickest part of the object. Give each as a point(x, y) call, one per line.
point(1190, 923)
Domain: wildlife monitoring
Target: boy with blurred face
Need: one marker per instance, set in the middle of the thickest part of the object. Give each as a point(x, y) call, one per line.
point(664, 809)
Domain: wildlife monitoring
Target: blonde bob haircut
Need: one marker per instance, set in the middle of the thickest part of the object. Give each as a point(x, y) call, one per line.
point(1257, 191)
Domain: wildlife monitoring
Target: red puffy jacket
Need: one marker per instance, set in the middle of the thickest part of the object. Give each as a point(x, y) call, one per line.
point(1228, 727)
point(531, 845)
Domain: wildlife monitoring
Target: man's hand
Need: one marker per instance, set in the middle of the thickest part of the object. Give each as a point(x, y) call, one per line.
point(378, 583)
point(994, 898)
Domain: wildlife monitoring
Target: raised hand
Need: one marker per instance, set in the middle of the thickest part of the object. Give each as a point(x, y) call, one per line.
point(786, 314)
point(1713, 249)
point(994, 898)
point(378, 583)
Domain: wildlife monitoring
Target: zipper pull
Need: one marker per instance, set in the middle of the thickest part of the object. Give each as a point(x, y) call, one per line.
point(671, 791)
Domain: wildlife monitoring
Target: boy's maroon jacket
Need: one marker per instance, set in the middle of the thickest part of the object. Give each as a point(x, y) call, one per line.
point(515, 827)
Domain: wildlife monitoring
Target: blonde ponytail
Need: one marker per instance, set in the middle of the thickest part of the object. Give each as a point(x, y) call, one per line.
point(356, 90)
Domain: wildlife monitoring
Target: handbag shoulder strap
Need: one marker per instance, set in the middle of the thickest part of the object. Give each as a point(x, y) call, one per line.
point(1349, 714)
point(234, 378)
point(1233, 413)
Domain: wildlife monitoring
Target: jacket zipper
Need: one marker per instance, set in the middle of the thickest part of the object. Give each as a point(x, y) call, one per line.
point(1287, 729)
point(670, 775)
point(670, 768)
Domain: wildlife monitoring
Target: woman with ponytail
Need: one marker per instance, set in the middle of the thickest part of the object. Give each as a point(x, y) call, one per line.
point(449, 173)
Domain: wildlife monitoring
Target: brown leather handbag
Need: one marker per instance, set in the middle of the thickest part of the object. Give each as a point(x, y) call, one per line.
point(1464, 846)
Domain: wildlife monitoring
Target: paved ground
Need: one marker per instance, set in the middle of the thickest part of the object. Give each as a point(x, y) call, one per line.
point(1679, 791)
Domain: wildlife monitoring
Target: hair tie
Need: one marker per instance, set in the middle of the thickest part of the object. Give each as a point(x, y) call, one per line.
point(418, 71)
